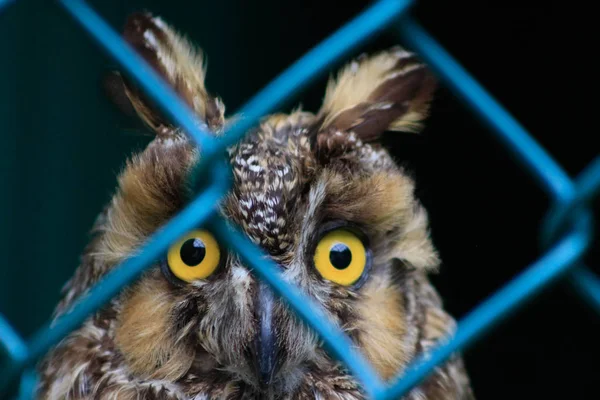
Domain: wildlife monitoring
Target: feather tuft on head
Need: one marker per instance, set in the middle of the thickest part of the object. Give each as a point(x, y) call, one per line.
point(388, 91)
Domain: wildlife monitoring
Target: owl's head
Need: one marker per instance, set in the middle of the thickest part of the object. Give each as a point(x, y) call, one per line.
point(320, 196)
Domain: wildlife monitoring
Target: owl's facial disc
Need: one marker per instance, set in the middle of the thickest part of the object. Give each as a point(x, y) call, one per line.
point(207, 319)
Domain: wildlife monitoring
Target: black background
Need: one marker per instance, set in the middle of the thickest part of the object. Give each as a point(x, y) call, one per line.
point(64, 143)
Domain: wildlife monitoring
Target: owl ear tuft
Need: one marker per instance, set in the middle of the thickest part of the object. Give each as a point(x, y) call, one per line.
point(177, 62)
point(388, 91)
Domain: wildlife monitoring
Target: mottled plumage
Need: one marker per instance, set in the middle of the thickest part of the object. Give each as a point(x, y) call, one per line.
point(295, 176)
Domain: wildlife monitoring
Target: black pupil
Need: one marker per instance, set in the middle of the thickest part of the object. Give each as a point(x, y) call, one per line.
point(340, 256)
point(192, 252)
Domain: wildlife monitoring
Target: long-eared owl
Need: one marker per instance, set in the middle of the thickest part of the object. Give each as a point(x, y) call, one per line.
point(323, 199)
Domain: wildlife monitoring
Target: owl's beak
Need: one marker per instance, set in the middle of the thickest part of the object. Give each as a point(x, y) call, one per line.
point(266, 340)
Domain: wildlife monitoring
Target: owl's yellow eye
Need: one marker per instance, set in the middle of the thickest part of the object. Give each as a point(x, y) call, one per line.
point(195, 256)
point(341, 257)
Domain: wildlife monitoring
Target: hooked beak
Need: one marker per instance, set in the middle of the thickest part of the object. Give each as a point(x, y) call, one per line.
point(266, 341)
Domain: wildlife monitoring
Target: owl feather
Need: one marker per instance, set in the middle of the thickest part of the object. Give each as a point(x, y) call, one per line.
point(299, 180)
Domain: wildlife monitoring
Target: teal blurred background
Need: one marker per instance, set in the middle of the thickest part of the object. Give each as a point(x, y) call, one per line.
point(63, 143)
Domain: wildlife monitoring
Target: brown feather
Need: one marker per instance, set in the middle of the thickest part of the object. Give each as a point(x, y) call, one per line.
point(145, 333)
point(176, 61)
point(294, 177)
point(389, 91)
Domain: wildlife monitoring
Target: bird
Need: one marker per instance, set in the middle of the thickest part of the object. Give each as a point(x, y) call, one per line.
point(317, 192)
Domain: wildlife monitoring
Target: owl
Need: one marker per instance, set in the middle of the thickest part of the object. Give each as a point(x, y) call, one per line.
point(321, 197)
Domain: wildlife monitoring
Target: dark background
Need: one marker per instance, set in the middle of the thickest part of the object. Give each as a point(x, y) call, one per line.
point(63, 144)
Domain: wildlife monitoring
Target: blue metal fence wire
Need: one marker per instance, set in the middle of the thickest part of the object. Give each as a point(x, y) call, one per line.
point(568, 226)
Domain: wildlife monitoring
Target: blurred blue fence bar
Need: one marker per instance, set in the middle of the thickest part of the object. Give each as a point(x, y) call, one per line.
point(588, 285)
point(144, 74)
point(11, 342)
point(336, 341)
point(568, 226)
point(315, 62)
point(497, 307)
point(4, 3)
point(486, 108)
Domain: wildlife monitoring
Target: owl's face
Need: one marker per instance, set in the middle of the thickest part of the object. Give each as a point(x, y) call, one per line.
point(317, 193)
point(346, 230)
